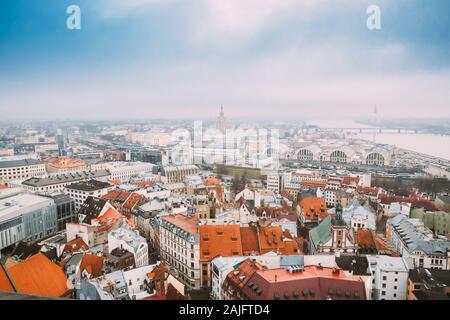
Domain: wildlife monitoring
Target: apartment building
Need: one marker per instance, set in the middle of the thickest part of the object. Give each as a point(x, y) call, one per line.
point(180, 247)
point(20, 169)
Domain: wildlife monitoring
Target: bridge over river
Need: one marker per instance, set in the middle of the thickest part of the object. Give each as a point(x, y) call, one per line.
point(363, 130)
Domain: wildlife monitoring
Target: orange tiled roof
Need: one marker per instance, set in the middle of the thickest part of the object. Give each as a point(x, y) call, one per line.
point(383, 247)
point(249, 238)
point(116, 195)
point(291, 248)
point(348, 181)
point(365, 239)
point(39, 276)
point(75, 245)
point(316, 184)
point(110, 214)
point(219, 240)
point(144, 184)
point(92, 264)
point(189, 224)
point(66, 163)
point(5, 281)
point(270, 239)
point(109, 219)
point(132, 201)
point(211, 181)
point(313, 208)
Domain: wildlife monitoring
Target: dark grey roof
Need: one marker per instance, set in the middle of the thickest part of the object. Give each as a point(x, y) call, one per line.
point(19, 163)
point(358, 265)
point(59, 198)
point(90, 185)
point(433, 283)
point(91, 208)
point(65, 178)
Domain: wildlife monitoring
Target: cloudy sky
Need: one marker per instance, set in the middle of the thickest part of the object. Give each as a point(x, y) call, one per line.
point(283, 59)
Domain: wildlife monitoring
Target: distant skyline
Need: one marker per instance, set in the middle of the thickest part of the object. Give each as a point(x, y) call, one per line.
point(286, 59)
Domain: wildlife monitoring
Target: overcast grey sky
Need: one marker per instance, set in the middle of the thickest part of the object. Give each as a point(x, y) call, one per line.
point(260, 58)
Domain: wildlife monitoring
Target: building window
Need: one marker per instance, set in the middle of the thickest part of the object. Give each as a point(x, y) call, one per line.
point(384, 277)
point(383, 293)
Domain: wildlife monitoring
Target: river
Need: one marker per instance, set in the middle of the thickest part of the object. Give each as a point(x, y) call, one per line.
point(430, 144)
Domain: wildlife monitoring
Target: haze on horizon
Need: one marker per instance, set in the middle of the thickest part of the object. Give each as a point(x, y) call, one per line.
point(289, 59)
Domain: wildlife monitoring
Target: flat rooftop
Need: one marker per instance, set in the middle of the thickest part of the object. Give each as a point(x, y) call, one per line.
point(18, 202)
point(19, 163)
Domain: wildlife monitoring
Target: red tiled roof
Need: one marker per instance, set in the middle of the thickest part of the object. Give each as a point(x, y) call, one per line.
point(349, 181)
point(365, 239)
point(315, 184)
point(92, 264)
point(132, 201)
point(313, 283)
point(368, 190)
point(416, 201)
point(39, 276)
point(75, 245)
point(239, 277)
point(144, 184)
point(116, 195)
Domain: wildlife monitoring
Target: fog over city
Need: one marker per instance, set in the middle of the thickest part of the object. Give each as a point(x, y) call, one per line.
point(261, 59)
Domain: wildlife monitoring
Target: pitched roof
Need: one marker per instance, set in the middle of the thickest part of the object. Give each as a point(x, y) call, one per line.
point(92, 264)
point(348, 181)
point(321, 233)
point(91, 208)
point(365, 239)
point(270, 239)
point(132, 201)
point(189, 224)
point(110, 214)
point(116, 195)
point(75, 245)
point(291, 247)
point(357, 265)
point(6, 282)
point(109, 219)
point(219, 240)
point(144, 184)
point(313, 283)
point(249, 238)
point(313, 208)
point(38, 275)
point(243, 271)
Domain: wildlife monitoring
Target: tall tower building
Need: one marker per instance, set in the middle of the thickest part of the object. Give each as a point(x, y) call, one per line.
point(221, 123)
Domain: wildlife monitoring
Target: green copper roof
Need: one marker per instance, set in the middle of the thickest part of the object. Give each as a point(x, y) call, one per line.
point(322, 232)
